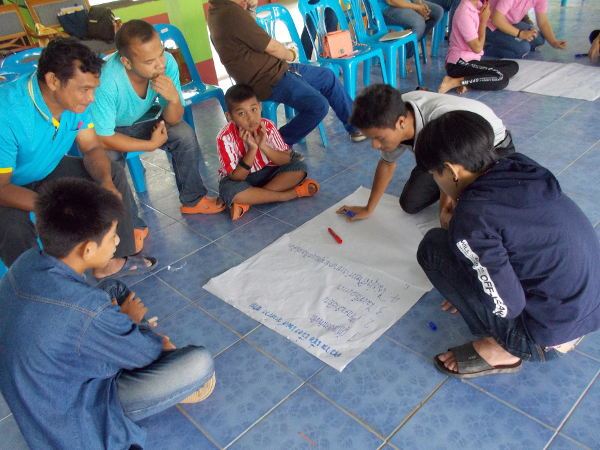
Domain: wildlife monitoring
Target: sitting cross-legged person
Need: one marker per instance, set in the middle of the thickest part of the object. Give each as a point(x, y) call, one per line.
point(133, 79)
point(257, 166)
point(80, 364)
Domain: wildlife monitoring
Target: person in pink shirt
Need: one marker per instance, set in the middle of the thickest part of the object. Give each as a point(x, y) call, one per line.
point(463, 63)
point(508, 36)
point(257, 166)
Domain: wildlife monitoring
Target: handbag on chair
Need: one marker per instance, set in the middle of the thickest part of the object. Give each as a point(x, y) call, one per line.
point(338, 44)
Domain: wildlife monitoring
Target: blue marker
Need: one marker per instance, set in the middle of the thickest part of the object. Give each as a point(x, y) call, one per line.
point(350, 214)
point(432, 325)
point(581, 55)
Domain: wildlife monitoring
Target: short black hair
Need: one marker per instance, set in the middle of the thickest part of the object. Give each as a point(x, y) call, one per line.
point(63, 56)
point(457, 137)
point(130, 31)
point(237, 94)
point(377, 106)
point(70, 211)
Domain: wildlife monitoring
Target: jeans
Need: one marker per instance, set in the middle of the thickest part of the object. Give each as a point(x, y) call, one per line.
point(408, 18)
point(310, 90)
point(452, 279)
point(309, 32)
point(184, 150)
point(171, 378)
point(499, 45)
point(17, 232)
point(229, 188)
point(450, 6)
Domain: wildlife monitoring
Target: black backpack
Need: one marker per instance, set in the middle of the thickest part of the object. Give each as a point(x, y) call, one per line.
point(101, 24)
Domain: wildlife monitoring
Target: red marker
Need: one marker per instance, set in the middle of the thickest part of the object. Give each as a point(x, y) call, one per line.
point(335, 236)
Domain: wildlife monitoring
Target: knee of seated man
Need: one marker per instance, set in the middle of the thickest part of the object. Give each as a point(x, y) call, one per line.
point(182, 132)
point(198, 361)
point(434, 238)
point(409, 206)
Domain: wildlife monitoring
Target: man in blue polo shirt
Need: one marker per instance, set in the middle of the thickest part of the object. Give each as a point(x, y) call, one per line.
point(131, 82)
point(42, 115)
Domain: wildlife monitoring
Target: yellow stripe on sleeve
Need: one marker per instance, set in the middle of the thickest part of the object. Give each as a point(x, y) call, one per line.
point(6, 169)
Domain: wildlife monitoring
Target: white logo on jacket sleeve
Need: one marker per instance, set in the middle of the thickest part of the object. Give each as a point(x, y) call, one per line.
point(484, 278)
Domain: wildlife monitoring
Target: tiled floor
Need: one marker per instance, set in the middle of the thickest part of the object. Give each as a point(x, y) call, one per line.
point(272, 395)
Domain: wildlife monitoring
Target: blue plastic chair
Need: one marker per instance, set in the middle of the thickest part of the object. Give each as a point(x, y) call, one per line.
point(3, 269)
point(374, 29)
point(23, 62)
point(268, 17)
point(349, 65)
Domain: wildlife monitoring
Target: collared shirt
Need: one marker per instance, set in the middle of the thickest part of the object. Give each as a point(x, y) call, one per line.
point(32, 142)
point(62, 347)
point(241, 45)
point(465, 28)
point(231, 148)
point(117, 104)
point(430, 105)
point(515, 10)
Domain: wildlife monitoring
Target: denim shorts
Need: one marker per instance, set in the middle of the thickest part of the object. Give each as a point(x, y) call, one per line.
point(229, 188)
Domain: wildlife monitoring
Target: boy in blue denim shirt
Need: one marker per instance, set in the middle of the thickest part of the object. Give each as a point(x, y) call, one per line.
point(78, 369)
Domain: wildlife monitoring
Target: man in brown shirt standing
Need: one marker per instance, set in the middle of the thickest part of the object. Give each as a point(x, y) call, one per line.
point(252, 57)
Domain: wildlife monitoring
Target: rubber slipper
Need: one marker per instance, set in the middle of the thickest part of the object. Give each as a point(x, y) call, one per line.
point(203, 393)
point(139, 234)
point(303, 189)
point(471, 365)
point(206, 205)
point(238, 210)
point(134, 265)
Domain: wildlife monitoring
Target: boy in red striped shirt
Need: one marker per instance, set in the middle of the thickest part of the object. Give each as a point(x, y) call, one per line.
point(257, 166)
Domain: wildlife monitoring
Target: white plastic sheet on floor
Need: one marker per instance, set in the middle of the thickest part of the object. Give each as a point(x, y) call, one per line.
point(334, 300)
point(572, 80)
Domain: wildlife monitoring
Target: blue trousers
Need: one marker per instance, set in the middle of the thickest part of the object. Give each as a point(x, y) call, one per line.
point(408, 18)
point(450, 277)
point(499, 45)
point(171, 378)
point(310, 90)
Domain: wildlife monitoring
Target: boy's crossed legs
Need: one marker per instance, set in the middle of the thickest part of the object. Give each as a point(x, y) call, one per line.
point(270, 184)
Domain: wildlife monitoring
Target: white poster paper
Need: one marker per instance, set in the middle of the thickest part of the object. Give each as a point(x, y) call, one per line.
point(334, 300)
point(529, 72)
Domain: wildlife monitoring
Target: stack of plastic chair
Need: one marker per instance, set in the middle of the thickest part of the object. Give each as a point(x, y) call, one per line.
point(369, 31)
point(22, 63)
point(348, 65)
point(268, 17)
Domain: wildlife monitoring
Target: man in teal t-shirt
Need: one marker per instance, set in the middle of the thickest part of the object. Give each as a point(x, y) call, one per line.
point(41, 116)
point(131, 82)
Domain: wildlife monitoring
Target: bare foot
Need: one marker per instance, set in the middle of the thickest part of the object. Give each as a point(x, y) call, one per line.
point(447, 306)
point(491, 352)
point(461, 90)
point(449, 83)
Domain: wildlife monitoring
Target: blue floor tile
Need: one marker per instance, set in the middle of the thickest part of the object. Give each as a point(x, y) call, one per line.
point(248, 385)
point(226, 313)
point(413, 329)
point(286, 352)
point(155, 220)
point(160, 299)
point(4, 409)
point(195, 270)
point(461, 417)
point(305, 421)
point(551, 399)
point(254, 236)
point(191, 326)
point(561, 442)
point(381, 386)
point(591, 345)
point(12, 439)
point(583, 425)
point(170, 430)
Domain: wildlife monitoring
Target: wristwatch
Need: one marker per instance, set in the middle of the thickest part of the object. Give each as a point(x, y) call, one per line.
point(242, 164)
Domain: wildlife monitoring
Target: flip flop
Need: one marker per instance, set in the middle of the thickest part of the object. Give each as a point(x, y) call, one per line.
point(203, 393)
point(139, 234)
point(237, 210)
point(134, 265)
point(303, 189)
point(206, 205)
point(471, 365)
